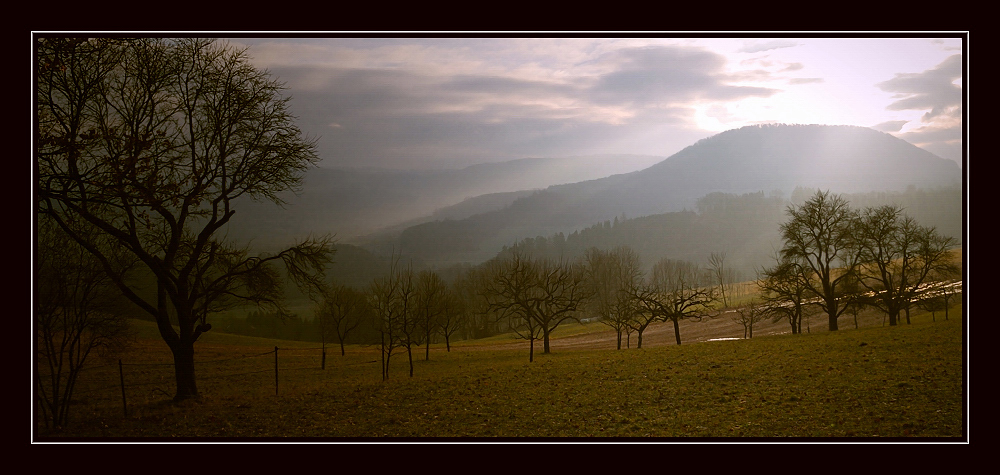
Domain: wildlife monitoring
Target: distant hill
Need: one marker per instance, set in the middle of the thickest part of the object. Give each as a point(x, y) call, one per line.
point(357, 202)
point(774, 159)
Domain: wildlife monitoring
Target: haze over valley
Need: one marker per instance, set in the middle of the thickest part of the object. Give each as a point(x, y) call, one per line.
point(726, 193)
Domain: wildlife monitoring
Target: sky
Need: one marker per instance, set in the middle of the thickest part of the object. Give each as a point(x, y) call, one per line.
point(450, 101)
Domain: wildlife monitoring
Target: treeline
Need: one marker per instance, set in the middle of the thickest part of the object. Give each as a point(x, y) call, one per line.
point(745, 226)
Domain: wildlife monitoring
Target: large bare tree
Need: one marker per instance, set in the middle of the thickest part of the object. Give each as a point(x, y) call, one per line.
point(820, 235)
point(147, 143)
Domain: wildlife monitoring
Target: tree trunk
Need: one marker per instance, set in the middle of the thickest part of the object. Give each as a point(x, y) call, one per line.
point(677, 331)
point(187, 388)
point(531, 350)
point(409, 355)
point(427, 347)
point(619, 339)
point(638, 340)
point(545, 340)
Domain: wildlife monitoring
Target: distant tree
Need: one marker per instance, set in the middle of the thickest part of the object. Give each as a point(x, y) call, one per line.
point(681, 291)
point(611, 275)
point(387, 313)
point(820, 235)
point(341, 311)
point(78, 314)
point(748, 316)
point(720, 274)
point(147, 143)
point(783, 289)
point(431, 298)
point(470, 290)
point(536, 295)
point(453, 315)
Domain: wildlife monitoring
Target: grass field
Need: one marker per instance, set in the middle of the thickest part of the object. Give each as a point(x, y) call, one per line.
point(872, 383)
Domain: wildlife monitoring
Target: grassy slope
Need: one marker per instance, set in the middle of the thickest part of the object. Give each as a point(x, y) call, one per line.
point(905, 381)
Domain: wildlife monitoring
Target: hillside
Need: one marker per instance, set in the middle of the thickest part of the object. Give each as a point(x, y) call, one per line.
point(356, 202)
point(775, 160)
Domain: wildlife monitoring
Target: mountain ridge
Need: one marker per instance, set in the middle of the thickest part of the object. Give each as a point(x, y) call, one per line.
point(772, 159)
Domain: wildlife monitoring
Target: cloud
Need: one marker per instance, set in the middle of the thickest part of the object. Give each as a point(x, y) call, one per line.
point(933, 89)
point(890, 126)
point(937, 91)
point(797, 81)
point(757, 47)
point(669, 75)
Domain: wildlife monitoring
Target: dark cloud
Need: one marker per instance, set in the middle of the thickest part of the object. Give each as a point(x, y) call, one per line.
point(652, 75)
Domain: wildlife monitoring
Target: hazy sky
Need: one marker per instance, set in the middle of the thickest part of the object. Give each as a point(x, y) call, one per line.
point(452, 102)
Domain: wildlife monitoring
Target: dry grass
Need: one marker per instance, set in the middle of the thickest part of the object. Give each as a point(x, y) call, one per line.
point(874, 382)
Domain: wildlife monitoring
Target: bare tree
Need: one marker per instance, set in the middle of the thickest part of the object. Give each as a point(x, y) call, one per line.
point(748, 316)
point(720, 274)
point(78, 313)
point(783, 289)
point(341, 311)
point(680, 291)
point(384, 299)
point(898, 256)
point(820, 236)
point(536, 296)
point(431, 298)
point(610, 275)
point(146, 143)
point(454, 312)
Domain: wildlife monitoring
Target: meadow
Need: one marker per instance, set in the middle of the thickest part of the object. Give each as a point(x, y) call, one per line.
point(872, 383)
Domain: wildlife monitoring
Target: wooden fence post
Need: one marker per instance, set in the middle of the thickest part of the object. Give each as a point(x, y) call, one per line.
point(121, 377)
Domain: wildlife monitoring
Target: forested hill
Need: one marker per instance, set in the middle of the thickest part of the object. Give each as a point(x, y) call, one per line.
point(771, 159)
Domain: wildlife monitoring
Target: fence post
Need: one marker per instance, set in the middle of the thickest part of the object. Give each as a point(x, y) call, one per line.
point(276, 371)
point(121, 377)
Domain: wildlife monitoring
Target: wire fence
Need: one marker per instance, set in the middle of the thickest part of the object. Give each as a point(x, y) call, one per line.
point(105, 384)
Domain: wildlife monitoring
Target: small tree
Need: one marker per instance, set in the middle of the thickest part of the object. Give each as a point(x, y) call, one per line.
point(675, 291)
point(783, 290)
point(534, 296)
point(721, 275)
point(342, 310)
point(748, 316)
point(610, 275)
point(454, 312)
point(78, 312)
point(431, 298)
